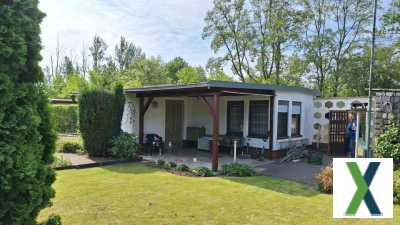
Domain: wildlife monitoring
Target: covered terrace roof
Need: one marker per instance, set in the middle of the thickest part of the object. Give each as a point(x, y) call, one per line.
point(210, 87)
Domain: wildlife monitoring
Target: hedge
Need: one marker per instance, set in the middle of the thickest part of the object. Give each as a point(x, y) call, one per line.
point(100, 114)
point(65, 118)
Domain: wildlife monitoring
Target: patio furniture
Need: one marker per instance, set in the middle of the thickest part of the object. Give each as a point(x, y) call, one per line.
point(154, 142)
point(193, 134)
point(203, 143)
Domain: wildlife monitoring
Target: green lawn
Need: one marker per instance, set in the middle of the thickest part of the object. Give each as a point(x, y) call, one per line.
point(137, 194)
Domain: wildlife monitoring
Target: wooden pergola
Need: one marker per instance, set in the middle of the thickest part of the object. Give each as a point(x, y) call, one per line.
point(202, 91)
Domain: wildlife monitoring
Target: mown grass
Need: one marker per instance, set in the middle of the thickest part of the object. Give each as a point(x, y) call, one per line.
point(138, 194)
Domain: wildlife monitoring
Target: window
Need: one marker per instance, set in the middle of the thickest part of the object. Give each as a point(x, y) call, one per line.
point(296, 119)
point(258, 119)
point(235, 118)
point(283, 113)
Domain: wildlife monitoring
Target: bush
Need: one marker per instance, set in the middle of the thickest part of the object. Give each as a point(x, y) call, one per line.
point(183, 168)
point(202, 172)
point(71, 147)
point(396, 187)
point(27, 138)
point(99, 119)
point(52, 220)
point(388, 143)
point(237, 170)
point(325, 180)
point(172, 164)
point(124, 146)
point(160, 163)
point(59, 161)
point(65, 118)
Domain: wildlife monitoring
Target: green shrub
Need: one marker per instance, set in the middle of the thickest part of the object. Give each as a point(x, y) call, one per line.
point(160, 163)
point(388, 143)
point(172, 164)
point(27, 138)
point(65, 118)
point(202, 172)
point(99, 120)
point(237, 170)
point(71, 147)
point(396, 187)
point(52, 220)
point(183, 168)
point(59, 161)
point(325, 180)
point(125, 146)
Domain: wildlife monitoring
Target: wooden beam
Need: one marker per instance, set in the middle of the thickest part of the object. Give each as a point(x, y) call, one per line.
point(271, 125)
point(141, 120)
point(143, 107)
point(215, 149)
point(209, 106)
point(146, 106)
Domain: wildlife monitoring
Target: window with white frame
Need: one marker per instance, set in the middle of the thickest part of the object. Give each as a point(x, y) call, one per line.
point(296, 119)
point(283, 114)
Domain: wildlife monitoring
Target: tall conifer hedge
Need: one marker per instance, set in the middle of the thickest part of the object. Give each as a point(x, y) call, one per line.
point(27, 140)
point(100, 114)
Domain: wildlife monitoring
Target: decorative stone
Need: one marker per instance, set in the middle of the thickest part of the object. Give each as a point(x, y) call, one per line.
point(317, 126)
point(340, 104)
point(317, 105)
point(317, 115)
point(328, 104)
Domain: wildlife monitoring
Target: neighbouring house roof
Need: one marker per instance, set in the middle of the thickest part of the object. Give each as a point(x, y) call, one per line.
point(220, 85)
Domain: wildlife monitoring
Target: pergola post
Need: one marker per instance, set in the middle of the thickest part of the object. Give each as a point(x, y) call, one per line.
point(215, 133)
point(271, 126)
point(214, 111)
point(142, 111)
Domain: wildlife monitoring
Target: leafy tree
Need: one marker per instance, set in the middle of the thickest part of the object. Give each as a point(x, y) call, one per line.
point(391, 19)
point(126, 52)
point(228, 27)
point(174, 66)
point(318, 43)
point(219, 75)
point(254, 31)
point(98, 52)
point(74, 83)
point(26, 132)
point(191, 75)
point(67, 66)
point(146, 71)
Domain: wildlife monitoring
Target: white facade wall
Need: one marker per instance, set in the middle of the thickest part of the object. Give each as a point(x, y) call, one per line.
point(196, 114)
point(320, 125)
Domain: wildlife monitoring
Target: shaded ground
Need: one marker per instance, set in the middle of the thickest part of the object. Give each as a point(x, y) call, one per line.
point(302, 172)
point(136, 194)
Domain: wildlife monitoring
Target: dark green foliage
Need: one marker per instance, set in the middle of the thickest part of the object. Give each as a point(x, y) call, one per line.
point(59, 161)
point(172, 164)
point(27, 140)
point(97, 126)
point(71, 147)
point(52, 220)
point(202, 172)
point(237, 170)
point(396, 187)
point(160, 163)
point(183, 168)
point(388, 143)
point(125, 146)
point(65, 118)
point(100, 115)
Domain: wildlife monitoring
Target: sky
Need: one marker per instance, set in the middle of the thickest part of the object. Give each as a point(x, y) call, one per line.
point(165, 28)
